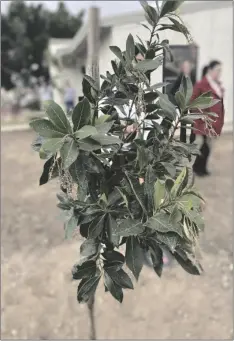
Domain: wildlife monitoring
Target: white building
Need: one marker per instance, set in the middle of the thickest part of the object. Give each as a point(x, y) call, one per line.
point(211, 26)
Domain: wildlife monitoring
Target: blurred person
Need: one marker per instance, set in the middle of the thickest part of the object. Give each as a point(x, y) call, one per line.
point(46, 92)
point(210, 82)
point(69, 96)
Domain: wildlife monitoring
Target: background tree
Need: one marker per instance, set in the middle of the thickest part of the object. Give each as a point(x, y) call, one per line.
point(26, 30)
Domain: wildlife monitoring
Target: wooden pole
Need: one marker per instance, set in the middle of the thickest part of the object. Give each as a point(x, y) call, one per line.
point(93, 43)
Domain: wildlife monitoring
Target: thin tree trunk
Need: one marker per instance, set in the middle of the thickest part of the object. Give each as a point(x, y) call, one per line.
point(93, 71)
point(91, 306)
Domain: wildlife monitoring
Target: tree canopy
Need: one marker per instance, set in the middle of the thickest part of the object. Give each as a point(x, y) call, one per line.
point(26, 30)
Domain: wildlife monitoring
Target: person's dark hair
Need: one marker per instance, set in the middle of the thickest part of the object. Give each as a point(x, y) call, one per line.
point(213, 64)
point(204, 71)
point(210, 66)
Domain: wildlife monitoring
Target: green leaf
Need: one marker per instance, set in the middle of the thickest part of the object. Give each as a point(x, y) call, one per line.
point(120, 277)
point(149, 64)
point(45, 128)
point(150, 13)
point(169, 6)
point(69, 153)
point(57, 116)
point(84, 270)
point(134, 256)
point(203, 102)
point(170, 168)
point(89, 144)
point(111, 226)
point(158, 86)
point(102, 119)
point(186, 88)
point(193, 268)
point(156, 256)
point(89, 248)
point(179, 27)
point(130, 48)
point(137, 191)
point(81, 114)
point(159, 193)
point(180, 183)
point(150, 178)
point(92, 82)
point(114, 260)
point(106, 140)
point(167, 106)
point(46, 171)
point(115, 290)
point(86, 89)
point(53, 145)
point(116, 50)
point(170, 240)
point(161, 222)
point(150, 97)
point(85, 131)
point(104, 128)
point(87, 288)
point(96, 227)
point(70, 226)
point(180, 100)
point(123, 196)
point(129, 227)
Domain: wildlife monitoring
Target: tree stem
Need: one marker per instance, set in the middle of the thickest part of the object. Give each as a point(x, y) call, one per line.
point(91, 304)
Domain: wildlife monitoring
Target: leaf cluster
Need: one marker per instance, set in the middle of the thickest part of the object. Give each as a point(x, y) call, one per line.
point(132, 189)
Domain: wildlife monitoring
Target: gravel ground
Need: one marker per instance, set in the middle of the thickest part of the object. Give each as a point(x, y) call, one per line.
point(39, 298)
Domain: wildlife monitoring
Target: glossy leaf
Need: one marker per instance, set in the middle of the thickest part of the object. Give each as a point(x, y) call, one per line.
point(85, 131)
point(89, 248)
point(115, 290)
point(57, 116)
point(70, 226)
point(169, 6)
point(180, 183)
point(130, 48)
point(190, 267)
point(45, 128)
point(81, 114)
point(120, 277)
point(106, 140)
point(46, 171)
point(159, 193)
point(129, 227)
point(53, 145)
point(96, 227)
point(149, 65)
point(87, 288)
point(69, 153)
point(134, 256)
point(116, 50)
point(84, 270)
point(161, 222)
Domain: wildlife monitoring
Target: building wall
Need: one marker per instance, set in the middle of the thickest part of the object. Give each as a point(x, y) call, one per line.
point(212, 31)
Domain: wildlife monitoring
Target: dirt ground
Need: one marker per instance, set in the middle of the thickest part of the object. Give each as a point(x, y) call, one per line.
point(39, 298)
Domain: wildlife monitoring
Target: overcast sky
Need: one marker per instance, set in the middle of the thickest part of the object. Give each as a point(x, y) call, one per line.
point(107, 7)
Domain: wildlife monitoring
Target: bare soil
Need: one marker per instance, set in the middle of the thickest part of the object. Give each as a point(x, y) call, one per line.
point(39, 298)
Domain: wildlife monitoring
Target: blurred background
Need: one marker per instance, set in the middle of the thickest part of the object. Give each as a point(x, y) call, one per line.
point(44, 52)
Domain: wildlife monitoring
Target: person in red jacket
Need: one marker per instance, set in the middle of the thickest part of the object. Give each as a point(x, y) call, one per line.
point(209, 83)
